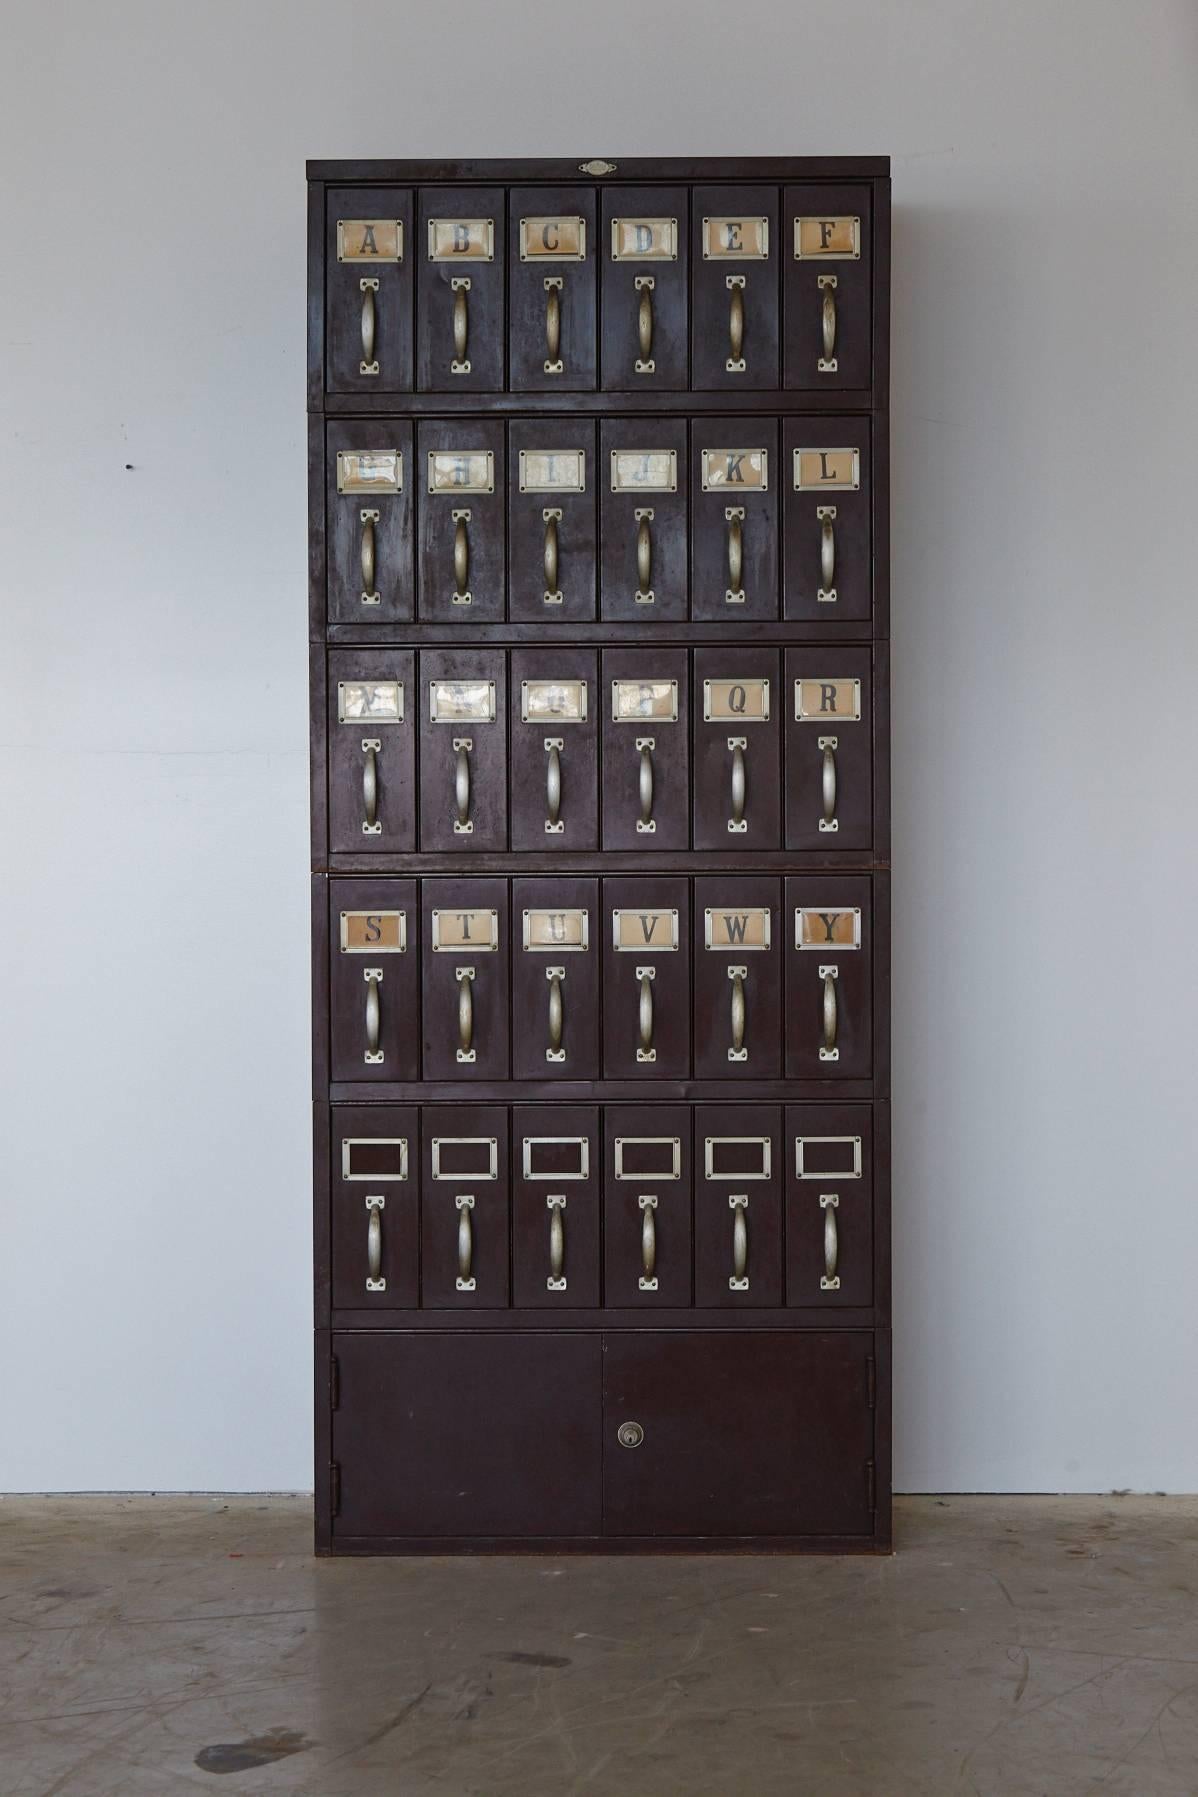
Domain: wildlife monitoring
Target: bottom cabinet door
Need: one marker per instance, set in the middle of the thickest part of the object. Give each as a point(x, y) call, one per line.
point(730, 1434)
point(460, 1436)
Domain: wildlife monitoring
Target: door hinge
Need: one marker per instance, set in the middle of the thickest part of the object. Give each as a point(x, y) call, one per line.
point(334, 1488)
point(871, 1496)
point(871, 1381)
point(335, 1383)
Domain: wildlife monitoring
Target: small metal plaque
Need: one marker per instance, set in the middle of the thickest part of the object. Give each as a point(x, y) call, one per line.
point(828, 1157)
point(553, 931)
point(648, 1157)
point(644, 239)
point(736, 701)
point(732, 929)
point(827, 239)
point(553, 701)
point(553, 239)
point(370, 240)
point(644, 471)
point(817, 701)
point(557, 1157)
point(477, 930)
point(374, 932)
point(369, 471)
point(368, 1158)
point(461, 471)
point(827, 930)
point(735, 470)
point(737, 1157)
point(370, 701)
point(553, 471)
point(465, 1157)
point(461, 239)
point(827, 470)
point(736, 239)
point(638, 701)
point(644, 932)
point(461, 701)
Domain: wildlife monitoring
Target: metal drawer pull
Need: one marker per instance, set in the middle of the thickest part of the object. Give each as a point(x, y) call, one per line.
point(465, 979)
point(738, 1051)
point(828, 1050)
point(735, 514)
point(369, 287)
point(374, 1245)
point(555, 1051)
point(461, 558)
point(644, 555)
point(556, 1205)
point(827, 549)
point(370, 593)
point(827, 362)
point(736, 823)
point(643, 285)
point(553, 324)
point(553, 785)
point(552, 593)
point(373, 977)
point(829, 745)
point(736, 324)
point(645, 825)
point(644, 1014)
point(461, 785)
point(648, 1279)
point(465, 1281)
point(739, 1205)
point(829, 1280)
point(370, 785)
point(460, 287)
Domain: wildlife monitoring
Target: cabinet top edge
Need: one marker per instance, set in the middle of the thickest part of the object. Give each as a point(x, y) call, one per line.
point(502, 169)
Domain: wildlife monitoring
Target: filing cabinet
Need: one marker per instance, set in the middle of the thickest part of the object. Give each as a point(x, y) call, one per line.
point(601, 970)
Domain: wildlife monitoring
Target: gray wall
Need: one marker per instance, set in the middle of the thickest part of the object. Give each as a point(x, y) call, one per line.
point(153, 907)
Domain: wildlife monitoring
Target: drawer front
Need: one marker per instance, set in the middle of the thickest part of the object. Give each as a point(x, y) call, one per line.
point(759, 1433)
point(737, 786)
point(463, 761)
point(826, 487)
point(642, 512)
point(646, 791)
point(647, 1227)
point(459, 290)
point(736, 250)
point(556, 929)
point(375, 1207)
point(462, 1436)
point(826, 287)
point(646, 978)
point(551, 519)
point(643, 257)
point(556, 1182)
point(552, 259)
point(739, 1176)
point(464, 1207)
point(829, 977)
point(462, 555)
point(369, 252)
point(464, 978)
point(369, 481)
point(554, 735)
point(373, 979)
point(739, 946)
point(829, 748)
point(829, 1205)
point(372, 756)
point(734, 518)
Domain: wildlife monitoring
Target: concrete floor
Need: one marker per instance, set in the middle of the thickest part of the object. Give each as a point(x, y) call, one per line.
point(1046, 1646)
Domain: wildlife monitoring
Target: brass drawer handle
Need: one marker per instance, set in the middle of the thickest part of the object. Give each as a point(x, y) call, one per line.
point(830, 1014)
point(552, 516)
point(829, 1280)
point(553, 786)
point(370, 593)
point(465, 980)
point(648, 1208)
point(460, 287)
point(643, 284)
point(464, 1203)
point(556, 1205)
point(374, 1020)
point(827, 550)
point(827, 285)
point(736, 823)
point(739, 1278)
point(738, 1051)
point(461, 558)
point(463, 825)
point(735, 363)
point(828, 746)
point(374, 1245)
point(369, 363)
point(370, 786)
point(553, 324)
point(735, 515)
point(555, 1051)
point(644, 1014)
point(645, 824)
point(644, 555)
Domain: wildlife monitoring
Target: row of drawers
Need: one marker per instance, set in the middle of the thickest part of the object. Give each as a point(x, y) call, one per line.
point(634, 519)
point(569, 749)
point(475, 1207)
point(655, 976)
point(559, 289)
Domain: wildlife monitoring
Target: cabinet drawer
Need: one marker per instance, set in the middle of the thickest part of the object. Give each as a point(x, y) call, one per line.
point(463, 764)
point(372, 755)
point(736, 705)
point(829, 977)
point(829, 748)
point(464, 1209)
point(552, 257)
point(646, 749)
point(369, 483)
point(734, 317)
point(374, 979)
point(646, 977)
point(459, 290)
point(555, 978)
point(739, 1176)
point(829, 1153)
point(827, 262)
point(643, 258)
point(647, 1220)
point(464, 978)
point(374, 1222)
point(552, 503)
point(556, 1182)
point(734, 518)
point(461, 565)
point(554, 736)
point(368, 289)
point(826, 487)
point(739, 952)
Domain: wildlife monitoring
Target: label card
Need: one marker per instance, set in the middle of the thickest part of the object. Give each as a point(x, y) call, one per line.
point(817, 701)
point(476, 930)
point(553, 239)
point(644, 471)
point(731, 929)
point(461, 471)
point(369, 471)
point(639, 701)
point(736, 701)
point(461, 239)
point(727, 470)
point(564, 931)
point(644, 239)
point(829, 239)
point(827, 470)
point(553, 701)
point(553, 471)
point(374, 932)
point(736, 239)
point(370, 701)
point(827, 930)
point(370, 240)
point(461, 701)
point(644, 932)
